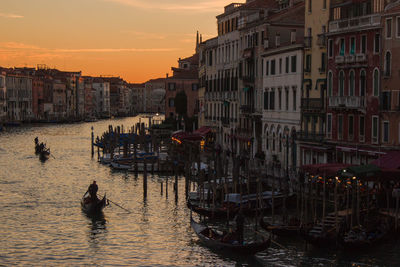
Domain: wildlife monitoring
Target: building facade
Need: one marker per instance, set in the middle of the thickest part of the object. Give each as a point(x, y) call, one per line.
point(3, 97)
point(19, 97)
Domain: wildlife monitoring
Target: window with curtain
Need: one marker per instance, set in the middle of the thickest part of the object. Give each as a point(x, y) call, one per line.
point(363, 83)
point(330, 83)
point(388, 63)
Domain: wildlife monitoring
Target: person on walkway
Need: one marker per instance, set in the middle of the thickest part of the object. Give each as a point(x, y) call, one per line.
point(93, 188)
point(240, 226)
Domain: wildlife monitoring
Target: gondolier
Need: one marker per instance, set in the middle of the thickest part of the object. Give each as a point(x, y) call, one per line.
point(93, 188)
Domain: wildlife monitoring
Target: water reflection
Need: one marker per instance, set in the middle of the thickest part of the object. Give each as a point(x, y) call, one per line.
point(97, 228)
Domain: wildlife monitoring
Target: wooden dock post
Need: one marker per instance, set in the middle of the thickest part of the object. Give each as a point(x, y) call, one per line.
point(92, 142)
point(145, 178)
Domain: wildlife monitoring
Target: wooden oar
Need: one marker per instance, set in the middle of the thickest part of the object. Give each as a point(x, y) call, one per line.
point(119, 205)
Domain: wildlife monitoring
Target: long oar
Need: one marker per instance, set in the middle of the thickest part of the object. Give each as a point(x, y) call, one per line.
point(116, 204)
point(52, 156)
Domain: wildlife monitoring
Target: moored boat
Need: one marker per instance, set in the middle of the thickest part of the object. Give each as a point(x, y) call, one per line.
point(291, 229)
point(219, 241)
point(93, 207)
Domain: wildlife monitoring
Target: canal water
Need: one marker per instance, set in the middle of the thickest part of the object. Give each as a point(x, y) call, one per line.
point(42, 223)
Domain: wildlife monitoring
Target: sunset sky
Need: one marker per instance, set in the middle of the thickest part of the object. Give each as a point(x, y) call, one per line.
point(134, 39)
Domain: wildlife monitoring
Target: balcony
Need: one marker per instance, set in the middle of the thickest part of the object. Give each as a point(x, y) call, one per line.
point(312, 104)
point(247, 109)
point(350, 102)
point(307, 41)
point(360, 58)
point(310, 137)
point(321, 41)
point(339, 59)
point(350, 58)
point(354, 23)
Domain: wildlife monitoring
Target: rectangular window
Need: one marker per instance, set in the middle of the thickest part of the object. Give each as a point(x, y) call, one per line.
point(388, 28)
point(330, 48)
point(273, 67)
point(352, 47)
point(287, 64)
point(262, 66)
point(329, 125)
point(351, 127)
point(362, 128)
point(287, 98)
point(280, 66)
point(266, 101)
point(272, 100)
point(375, 125)
point(323, 62)
point(294, 63)
point(308, 63)
point(267, 68)
point(171, 86)
point(294, 99)
point(385, 132)
point(342, 47)
point(340, 127)
point(280, 99)
point(398, 27)
point(377, 43)
point(195, 86)
point(171, 102)
point(309, 6)
point(363, 48)
point(323, 4)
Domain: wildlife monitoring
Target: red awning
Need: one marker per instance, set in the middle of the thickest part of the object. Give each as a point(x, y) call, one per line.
point(327, 169)
point(203, 131)
point(390, 160)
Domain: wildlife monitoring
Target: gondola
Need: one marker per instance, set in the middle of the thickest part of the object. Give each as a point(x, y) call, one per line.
point(91, 207)
point(215, 240)
point(281, 229)
point(214, 213)
point(358, 239)
point(44, 154)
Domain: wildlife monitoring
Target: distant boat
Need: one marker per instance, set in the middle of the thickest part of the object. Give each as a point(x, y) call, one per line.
point(215, 240)
point(93, 207)
point(91, 119)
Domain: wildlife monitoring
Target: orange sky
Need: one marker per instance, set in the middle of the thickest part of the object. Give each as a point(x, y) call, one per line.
point(135, 39)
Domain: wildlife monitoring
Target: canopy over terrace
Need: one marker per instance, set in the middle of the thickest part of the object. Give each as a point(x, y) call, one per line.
point(390, 165)
point(327, 169)
point(365, 172)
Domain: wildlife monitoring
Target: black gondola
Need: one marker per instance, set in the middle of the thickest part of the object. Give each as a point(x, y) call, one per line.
point(214, 213)
point(93, 207)
point(216, 240)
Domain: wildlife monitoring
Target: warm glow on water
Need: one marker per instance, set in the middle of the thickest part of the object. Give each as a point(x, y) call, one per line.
point(42, 223)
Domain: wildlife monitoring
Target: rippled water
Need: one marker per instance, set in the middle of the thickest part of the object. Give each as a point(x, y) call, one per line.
point(42, 223)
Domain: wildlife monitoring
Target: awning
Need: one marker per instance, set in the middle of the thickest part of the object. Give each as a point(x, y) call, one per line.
point(390, 160)
point(327, 169)
point(368, 172)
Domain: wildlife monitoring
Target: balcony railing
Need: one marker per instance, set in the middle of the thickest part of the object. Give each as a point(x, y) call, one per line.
point(350, 58)
point(339, 59)
point(361, 58)
point(352, 102)
point(309, 136)
point(312, 103)
point(247, 109)
point(354, 23)
point(307, 41)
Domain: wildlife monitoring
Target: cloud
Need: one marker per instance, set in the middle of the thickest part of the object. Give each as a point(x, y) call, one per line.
point(10, 16)
point(15, 45)
point(179, 5)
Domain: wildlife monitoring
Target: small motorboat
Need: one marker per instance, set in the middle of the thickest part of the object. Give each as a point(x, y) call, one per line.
point(219, 241)
point(92, 207)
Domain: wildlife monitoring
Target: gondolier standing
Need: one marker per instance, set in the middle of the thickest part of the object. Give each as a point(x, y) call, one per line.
point(93, 188)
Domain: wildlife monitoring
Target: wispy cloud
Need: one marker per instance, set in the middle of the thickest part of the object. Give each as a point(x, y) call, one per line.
point(10, 16)
point(181, 5)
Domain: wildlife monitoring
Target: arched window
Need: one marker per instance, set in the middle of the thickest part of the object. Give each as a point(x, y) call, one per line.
point(280, 142)
point(376, 82)
point(330, 83)
point(352, 83)
point(267, 137)
point(363, 83)
point(273, 141)
point(388, 63)
point(341, 83)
